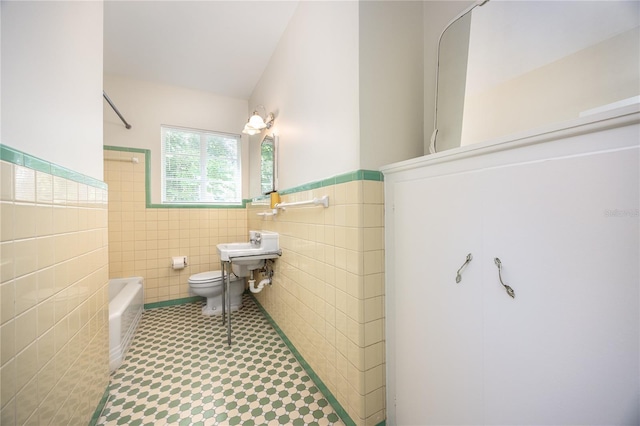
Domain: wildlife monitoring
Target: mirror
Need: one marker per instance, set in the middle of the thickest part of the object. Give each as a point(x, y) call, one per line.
point(509, 67)
point(268, 164)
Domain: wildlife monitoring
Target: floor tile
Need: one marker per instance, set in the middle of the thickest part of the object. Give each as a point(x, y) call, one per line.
point(180, 370)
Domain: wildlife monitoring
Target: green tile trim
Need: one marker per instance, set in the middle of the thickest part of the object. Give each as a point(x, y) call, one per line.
point(260, 198)
point(199, 206)
point(347, 177)
point(125, 149)
point(100, 407)
point(37, 164)
point(173, 302)
point(19, 158)
point(147, 185)
point(372, 175)
point(147, 178)
point(323, 388)
point(11, 155)
point(77, 177)
point(335, 180)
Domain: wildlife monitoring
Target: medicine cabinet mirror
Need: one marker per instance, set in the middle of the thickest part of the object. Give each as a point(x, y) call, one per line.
point(268, 164)
point(518, 67)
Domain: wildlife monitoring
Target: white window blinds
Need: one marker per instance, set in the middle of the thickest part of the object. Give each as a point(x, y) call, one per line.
point(200, 167)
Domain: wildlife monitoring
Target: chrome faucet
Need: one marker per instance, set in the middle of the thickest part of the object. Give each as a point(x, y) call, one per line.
point(256, 240)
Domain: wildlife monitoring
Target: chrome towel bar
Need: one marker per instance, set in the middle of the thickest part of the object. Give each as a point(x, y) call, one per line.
point(324, 201)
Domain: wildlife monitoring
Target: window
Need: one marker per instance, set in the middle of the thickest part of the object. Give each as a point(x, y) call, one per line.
point(200, 167)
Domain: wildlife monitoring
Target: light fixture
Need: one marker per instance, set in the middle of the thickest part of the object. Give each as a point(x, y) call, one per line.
point(256, 122)
point(248, 129)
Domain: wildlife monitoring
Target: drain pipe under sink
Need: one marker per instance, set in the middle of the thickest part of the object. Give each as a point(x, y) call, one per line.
point(261, 284)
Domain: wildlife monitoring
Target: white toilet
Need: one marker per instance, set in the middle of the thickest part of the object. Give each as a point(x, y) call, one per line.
point(209, 285)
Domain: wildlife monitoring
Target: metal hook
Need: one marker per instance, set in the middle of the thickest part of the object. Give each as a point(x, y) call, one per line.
point(509, 290)
point(458, 275)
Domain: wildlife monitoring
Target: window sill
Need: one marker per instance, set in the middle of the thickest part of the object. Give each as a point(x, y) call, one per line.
point(239, 205)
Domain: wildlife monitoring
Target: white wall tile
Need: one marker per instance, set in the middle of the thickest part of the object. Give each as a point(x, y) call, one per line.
point(24, 182)
point(6, 181)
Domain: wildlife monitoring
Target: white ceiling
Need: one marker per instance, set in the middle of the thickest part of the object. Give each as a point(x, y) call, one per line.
point(217, 46)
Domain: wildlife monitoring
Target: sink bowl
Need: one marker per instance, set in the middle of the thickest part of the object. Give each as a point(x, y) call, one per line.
point(245, 253)
point(252, 253)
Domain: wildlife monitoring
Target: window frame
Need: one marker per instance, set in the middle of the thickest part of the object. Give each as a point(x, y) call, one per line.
point(202, 134)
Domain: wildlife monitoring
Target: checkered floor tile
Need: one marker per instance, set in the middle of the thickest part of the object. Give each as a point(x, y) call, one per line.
point(179, 370)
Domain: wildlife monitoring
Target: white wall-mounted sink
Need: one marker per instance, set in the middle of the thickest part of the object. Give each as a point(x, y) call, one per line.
point(263, 245)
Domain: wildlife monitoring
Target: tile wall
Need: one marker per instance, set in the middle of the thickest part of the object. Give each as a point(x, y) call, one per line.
point(328, 290)
point(142, 239)
point(53, 294)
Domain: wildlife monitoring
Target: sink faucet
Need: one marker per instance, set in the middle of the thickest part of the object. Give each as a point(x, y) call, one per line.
point(256, 239)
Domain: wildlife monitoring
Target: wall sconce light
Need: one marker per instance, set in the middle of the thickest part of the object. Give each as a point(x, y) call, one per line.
point(256, 122)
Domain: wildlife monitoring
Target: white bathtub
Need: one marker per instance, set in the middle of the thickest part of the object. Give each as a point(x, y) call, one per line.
point(126, 304)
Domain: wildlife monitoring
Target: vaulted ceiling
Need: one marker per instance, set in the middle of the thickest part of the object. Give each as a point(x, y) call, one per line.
point(217, 46)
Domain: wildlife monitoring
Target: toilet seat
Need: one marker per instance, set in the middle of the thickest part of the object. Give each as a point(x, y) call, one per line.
point(205, 277)
point(209, 277)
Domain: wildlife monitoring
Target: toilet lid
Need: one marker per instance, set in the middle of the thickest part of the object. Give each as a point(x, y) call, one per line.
point(205, 276)
point(209, 276)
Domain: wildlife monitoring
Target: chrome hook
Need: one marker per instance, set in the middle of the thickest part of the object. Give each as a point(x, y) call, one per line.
point(509, 290)
point(458, 274)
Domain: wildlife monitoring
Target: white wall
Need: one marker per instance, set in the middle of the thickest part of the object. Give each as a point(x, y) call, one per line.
point(391, 82)
point(147, 106)
point(0, 101)
point(608, 73)
point(52, 82)
point(0, 72)
point(507, 39)
point(600, 74)
point(311, 83)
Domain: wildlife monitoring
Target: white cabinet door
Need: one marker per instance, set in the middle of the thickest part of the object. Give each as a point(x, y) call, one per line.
point(438, 333)
point(565, 350)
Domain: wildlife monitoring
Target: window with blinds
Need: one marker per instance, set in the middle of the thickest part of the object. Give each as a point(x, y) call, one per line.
point(200, 167)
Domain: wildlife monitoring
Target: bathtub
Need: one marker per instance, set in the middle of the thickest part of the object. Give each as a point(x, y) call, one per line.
point(126, 304)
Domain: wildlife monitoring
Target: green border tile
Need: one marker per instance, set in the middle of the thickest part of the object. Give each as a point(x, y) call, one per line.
point(14, 156)
point(11, 155)
point(347, 177)
point(373, 175)
point(329, 182)
point(37, 164)
point(125, 149)
point(323, 388)
point(335, 180)
point(100, 407)
point(62, 172)
point(199, 206)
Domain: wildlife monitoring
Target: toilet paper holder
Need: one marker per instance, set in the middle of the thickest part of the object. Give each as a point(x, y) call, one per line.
point(178, 262)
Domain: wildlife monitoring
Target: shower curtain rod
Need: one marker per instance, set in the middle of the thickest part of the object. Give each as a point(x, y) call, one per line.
point(127, 125)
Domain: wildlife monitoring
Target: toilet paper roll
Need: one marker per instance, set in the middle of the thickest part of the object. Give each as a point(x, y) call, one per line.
point(178, 262)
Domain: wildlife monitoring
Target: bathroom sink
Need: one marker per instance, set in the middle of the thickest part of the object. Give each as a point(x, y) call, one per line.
point(263, 245)
point(243, 253)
